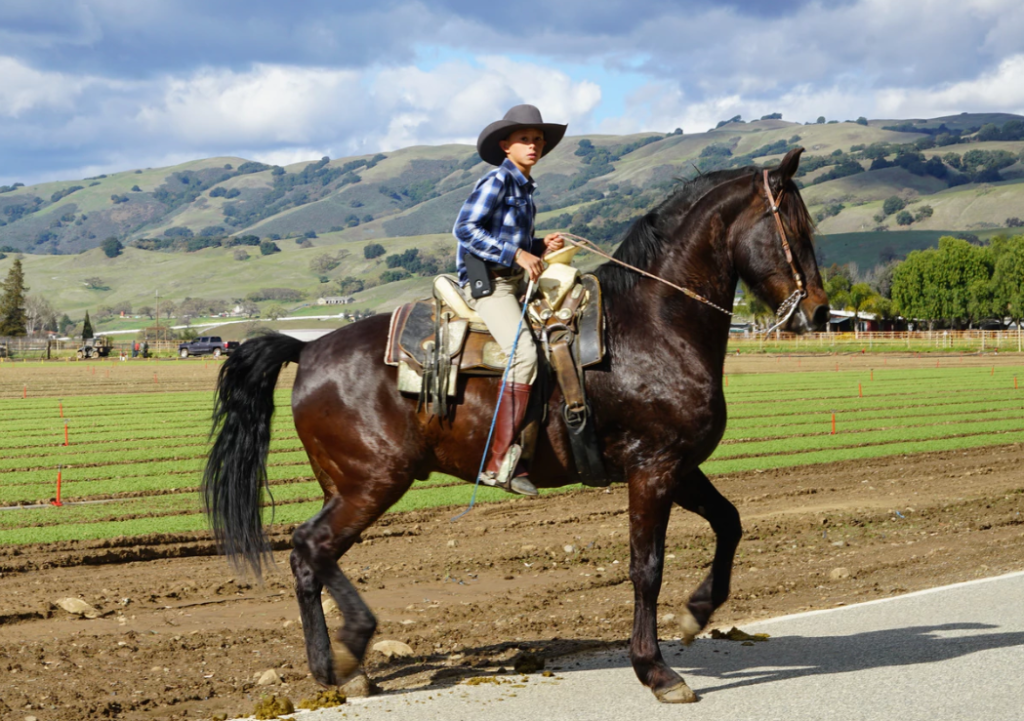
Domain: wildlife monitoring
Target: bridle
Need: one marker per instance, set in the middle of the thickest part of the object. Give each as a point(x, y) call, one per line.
point(786, 308)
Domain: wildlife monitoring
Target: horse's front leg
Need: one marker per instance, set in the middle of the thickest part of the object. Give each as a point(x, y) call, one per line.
point(695, 493)
point(650, 502)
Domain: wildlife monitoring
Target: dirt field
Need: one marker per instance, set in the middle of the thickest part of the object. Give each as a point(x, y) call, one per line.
point(177, 636)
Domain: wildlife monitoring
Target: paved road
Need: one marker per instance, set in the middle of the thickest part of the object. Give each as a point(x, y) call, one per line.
point(955, 652)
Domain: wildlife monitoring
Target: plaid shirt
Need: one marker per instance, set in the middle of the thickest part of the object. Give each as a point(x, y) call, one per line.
point(497, 219)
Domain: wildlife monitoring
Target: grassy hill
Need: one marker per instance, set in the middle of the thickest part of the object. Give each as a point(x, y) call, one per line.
point(961, 173)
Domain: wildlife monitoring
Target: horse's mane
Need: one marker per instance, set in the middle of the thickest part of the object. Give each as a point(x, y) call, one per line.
point(645, 240)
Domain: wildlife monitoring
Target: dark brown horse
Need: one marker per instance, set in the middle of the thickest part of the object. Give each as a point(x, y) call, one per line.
point(657, 401)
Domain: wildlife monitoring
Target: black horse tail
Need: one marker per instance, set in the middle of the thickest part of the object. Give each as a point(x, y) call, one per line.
point(236, 470)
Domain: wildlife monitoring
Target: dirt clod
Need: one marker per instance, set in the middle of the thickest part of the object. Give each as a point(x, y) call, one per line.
point(735, 634)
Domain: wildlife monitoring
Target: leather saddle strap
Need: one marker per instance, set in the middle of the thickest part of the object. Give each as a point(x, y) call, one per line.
point(568, 379)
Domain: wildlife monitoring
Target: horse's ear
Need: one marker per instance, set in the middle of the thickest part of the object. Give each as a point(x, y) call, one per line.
point(787, 168)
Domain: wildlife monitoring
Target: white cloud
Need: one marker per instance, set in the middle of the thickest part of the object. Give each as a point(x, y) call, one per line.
point(1000, 90)
point(24, 89)
point(268, 104)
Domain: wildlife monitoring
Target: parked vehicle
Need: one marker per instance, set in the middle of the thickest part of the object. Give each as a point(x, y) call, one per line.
point(207, 345)
point(98, 347)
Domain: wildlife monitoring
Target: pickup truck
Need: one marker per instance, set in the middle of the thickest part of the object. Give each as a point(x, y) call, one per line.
point(208, 344)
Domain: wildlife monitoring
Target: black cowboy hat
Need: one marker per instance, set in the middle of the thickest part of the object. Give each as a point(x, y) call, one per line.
point(521, 116)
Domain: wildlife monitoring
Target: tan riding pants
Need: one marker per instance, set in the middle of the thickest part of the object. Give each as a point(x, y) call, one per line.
point(501, 311)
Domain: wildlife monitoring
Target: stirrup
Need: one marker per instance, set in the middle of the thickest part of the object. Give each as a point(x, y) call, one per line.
point(504, 479)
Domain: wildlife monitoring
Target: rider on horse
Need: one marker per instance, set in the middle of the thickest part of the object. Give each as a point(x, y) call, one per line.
point(495, 226)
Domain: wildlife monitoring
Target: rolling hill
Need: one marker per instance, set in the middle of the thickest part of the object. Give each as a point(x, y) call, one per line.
point(961, 173)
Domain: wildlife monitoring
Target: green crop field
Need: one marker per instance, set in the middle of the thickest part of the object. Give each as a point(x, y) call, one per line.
point(138, 435)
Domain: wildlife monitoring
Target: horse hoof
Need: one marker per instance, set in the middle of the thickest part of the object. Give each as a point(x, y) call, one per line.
point(345, 664)
point(690, 628)
point(359, 686)
point(680, 693)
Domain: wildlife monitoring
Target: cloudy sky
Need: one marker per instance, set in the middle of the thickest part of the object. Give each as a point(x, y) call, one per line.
point(90, 86)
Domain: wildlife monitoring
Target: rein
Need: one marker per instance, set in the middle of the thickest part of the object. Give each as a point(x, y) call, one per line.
point(786, 308)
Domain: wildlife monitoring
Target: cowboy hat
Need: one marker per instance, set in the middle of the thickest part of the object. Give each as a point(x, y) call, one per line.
point(521, 116)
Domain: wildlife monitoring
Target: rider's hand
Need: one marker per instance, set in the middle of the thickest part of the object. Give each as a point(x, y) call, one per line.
point(531, 263)
point(554, 242)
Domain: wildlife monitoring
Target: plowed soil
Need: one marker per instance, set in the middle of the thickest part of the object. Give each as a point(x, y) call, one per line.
point(178, 636)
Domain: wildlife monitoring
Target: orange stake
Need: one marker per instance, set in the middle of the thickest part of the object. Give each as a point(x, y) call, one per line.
point(66, 434)
point(57, 502)
point(833, 424)
point(860, 391)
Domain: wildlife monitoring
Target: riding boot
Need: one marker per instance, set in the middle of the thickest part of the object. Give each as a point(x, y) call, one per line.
point(504, 466)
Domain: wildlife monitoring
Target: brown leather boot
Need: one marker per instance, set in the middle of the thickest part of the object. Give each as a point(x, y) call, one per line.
point(504, 468)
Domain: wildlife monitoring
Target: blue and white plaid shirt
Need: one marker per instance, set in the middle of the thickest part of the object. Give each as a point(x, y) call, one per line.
point(497, 219)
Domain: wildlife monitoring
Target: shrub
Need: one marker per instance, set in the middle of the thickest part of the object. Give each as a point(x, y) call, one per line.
point(862, 120)
point(269, 247)
point(904, 218)
point(373, 250)
point(241, 254)
point(390, 276)
point(893, 204)
point(289, 295)
point(136, 189)
point(1014, 223)
point(112, 247)
point(925, 211)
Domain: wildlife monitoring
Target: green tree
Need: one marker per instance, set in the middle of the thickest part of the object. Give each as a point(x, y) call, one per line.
point(857, 298)
point(893, 204)
point(111, 247)
point(862, 120)
point(1008, 278)
point(275, 311)
point(904, 218)
point(936, 284)
point(373, 250)
point(87, 327)
point(269, 247)
point(12, 301)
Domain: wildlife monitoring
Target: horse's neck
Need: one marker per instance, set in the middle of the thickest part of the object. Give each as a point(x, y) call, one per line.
point(700, 261)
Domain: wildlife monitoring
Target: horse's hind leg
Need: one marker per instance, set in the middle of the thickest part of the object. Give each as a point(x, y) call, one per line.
point(695, 493)
point(319, 543)
point(314, 626)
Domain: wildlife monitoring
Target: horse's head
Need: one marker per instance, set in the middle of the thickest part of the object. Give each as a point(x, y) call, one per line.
point(778, 276)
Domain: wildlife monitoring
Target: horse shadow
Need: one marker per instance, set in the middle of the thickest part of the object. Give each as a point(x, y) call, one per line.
point(781, 658)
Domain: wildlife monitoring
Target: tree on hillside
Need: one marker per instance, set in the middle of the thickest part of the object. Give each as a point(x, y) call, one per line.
point(373, 250)
point(862, 120)
point(87, 327)
point(893, 204)
point(146, 310)
point(12, 301)
point(112, 247)
point(275, 311)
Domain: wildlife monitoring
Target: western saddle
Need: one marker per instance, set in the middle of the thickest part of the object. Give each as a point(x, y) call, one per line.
point(432, 341)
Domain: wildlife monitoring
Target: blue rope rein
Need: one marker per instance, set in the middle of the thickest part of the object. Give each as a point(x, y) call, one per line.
point(501, 395)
